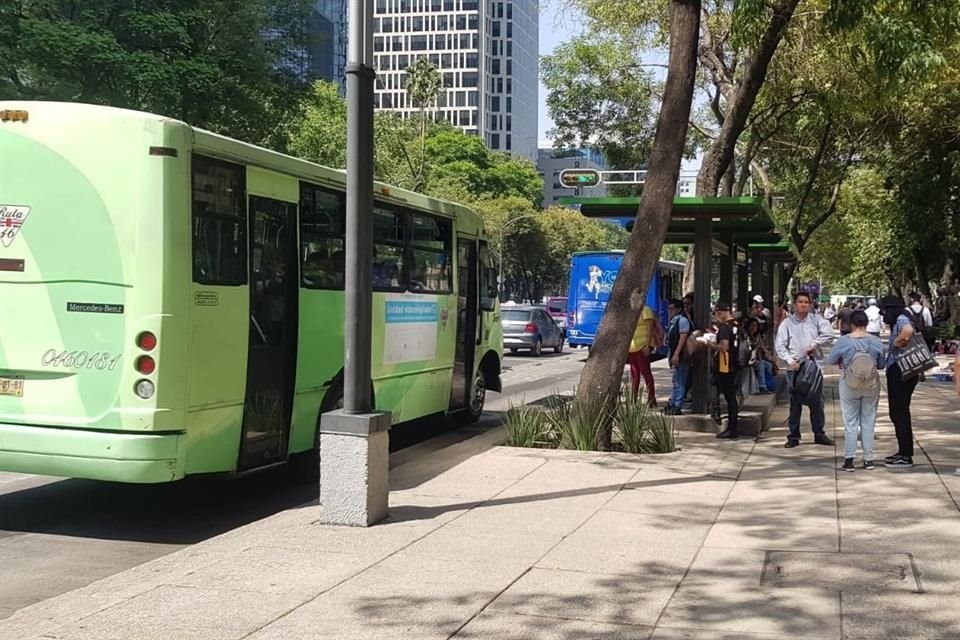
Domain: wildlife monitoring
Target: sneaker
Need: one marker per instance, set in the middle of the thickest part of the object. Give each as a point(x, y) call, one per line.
point(824, 439)
point(791, 444)
point(868, 465)
point(848, 464)
point(891, 458)
point(726, 434)
point(900, 463)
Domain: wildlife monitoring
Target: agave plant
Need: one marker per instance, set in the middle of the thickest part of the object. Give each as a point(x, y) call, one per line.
point(579, 424)
point(632, 419)
point(661, 434)
point(526, 426)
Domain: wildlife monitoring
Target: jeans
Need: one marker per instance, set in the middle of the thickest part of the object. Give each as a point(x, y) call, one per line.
point(727, 386)
point(817, 418)
point(899, 394)
point(859, 415)
point(640, 367)
point(764, 372)
point(679, 374)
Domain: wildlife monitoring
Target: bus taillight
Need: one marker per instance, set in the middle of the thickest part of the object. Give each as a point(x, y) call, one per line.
point(572, 319)
point(147, 341)
point(146, 365)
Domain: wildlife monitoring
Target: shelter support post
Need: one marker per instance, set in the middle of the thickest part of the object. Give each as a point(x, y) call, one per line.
point(703, 252)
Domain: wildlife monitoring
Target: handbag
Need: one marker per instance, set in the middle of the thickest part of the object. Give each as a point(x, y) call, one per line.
point(808, 383)
point(914, 358)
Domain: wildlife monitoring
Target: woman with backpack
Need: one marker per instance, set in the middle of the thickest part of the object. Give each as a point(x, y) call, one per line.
point(861, 356)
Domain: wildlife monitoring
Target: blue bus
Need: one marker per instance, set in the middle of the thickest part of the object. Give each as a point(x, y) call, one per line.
point(592, 274)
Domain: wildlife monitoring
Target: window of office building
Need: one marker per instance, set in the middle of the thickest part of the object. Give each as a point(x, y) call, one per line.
point(494, 140)
point(469, 79)
point(495, 29)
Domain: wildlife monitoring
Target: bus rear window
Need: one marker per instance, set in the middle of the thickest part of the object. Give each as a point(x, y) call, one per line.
point(515, 316)
point(219, 222)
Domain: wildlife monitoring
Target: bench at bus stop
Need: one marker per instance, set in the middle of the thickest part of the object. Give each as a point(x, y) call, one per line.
point(754, 416)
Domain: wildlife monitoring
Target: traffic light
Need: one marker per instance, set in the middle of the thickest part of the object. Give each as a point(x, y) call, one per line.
point(573, 178)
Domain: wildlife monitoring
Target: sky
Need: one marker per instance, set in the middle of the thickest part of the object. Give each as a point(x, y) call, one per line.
point(558, 23)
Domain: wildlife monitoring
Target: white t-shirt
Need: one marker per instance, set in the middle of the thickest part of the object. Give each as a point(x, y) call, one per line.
point(874, 322)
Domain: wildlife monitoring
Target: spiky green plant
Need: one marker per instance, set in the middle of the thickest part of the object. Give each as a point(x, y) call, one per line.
point(580, 424)
point(526, 426)
point(632, 419)
point(661, 434)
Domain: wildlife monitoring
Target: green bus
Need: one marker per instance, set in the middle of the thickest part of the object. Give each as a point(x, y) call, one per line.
point(171, 300)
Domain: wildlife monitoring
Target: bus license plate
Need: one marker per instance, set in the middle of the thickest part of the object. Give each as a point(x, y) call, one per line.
point(11, 387)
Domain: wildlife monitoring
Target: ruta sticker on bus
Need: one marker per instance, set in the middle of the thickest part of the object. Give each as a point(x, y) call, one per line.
point(12, 217)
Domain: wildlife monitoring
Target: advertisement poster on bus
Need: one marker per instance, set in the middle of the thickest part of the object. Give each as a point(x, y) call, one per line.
point(410, 334)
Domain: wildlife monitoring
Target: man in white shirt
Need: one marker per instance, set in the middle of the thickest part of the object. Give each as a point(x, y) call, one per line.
point(874, 318)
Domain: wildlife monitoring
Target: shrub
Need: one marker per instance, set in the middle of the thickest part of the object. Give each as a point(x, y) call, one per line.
point(578, 424)
point(661, 434)
point(526, 426)
point(632, 422)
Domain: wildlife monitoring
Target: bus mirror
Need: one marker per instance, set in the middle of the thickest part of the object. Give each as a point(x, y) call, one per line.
point(488, 303)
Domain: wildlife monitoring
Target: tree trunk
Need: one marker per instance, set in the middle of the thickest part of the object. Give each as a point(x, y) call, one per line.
point(720, 155)
point(788, 272)
point(601, 376)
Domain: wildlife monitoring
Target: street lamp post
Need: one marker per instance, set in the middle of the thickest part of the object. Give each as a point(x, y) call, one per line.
point(500, 268)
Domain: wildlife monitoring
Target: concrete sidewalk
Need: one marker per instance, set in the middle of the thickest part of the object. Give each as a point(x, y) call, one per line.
point(740, 539)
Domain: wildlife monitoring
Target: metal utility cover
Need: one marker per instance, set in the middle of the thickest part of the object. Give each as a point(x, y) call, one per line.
point(841, 571)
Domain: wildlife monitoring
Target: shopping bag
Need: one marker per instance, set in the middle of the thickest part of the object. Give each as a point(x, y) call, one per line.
point(915, 358)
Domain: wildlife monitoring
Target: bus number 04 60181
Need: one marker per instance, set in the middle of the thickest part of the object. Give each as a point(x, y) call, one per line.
point(102, 361)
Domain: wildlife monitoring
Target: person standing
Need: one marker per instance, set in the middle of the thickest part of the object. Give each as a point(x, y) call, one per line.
point(861, 356)
point(874, 318)
point(639, 358)
point(725, 349)
point(761, 315)
point(922, 318)
point(843, 318)
point(799, 338)
point(678, 332)
point(899, 391)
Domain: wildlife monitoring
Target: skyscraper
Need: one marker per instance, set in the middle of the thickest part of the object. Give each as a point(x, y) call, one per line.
point(487, 53)
point(327, 41)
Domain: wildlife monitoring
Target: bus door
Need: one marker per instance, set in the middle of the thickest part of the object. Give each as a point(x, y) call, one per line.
point(467, 312)
point(271, 363)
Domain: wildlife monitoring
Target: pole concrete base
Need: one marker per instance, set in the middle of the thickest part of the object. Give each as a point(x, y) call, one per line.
point(354, 468)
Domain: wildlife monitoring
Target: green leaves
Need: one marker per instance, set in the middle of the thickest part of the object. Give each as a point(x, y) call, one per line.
point(601, 95)
point(217, 64)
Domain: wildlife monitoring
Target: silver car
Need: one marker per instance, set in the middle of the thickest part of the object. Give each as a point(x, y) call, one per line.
point(530, 328)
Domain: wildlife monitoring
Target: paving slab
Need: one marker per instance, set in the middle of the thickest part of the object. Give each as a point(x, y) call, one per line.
point(508, 626)
point(634, 599)
point(184, 613)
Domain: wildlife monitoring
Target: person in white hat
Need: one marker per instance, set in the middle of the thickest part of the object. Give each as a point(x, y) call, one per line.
point(874, 318)
point(761, 314)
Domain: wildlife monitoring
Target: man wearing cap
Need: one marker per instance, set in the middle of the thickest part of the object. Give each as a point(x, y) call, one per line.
point(799, 338)
point(874, 318)
point(761, 314)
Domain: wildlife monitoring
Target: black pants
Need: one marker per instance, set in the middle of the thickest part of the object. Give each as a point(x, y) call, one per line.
point(899, 394)
point(727, 386)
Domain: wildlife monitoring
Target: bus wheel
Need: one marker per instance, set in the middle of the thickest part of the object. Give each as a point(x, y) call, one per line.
point(537, 348)
point(478, 397)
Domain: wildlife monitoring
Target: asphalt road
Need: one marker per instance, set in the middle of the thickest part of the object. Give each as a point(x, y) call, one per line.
point(57, 535)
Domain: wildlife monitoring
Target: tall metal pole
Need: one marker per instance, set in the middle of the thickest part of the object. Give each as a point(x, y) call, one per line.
point(359, 250)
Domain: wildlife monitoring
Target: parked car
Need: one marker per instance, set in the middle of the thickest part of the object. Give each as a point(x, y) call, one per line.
point(530, 328)
point(557, 308)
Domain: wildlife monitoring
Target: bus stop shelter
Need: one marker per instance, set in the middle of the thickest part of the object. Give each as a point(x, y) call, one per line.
point(739, 230)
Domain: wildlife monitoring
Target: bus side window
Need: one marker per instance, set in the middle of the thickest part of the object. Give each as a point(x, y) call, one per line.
point(388, 273)
point(218, 196)
point(488, 280)
point(322, 242)
point(431, 254)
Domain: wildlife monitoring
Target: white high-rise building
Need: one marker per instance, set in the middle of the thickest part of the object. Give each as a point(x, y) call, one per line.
point(486, 51)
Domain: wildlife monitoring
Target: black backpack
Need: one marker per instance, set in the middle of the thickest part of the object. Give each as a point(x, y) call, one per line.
point(920, 326)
